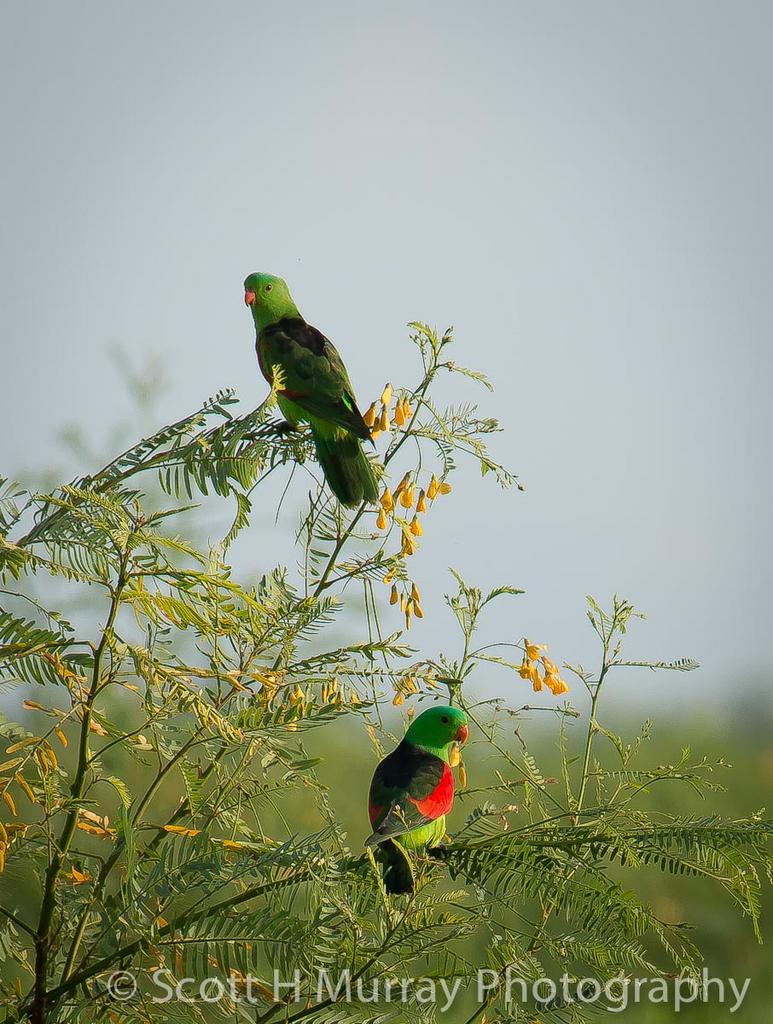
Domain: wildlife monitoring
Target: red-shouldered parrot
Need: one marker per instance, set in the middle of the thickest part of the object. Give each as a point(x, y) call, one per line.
point(315, 387)
point(412, 791)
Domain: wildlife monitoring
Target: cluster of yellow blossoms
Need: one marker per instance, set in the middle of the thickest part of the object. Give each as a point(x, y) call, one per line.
point(332, 692)
point(27, 750)
point(533, 660)
point(409, 600)
point(404, 687)
point(378, 419)
point(88, 821)
point(409, 684)
point(404, 496)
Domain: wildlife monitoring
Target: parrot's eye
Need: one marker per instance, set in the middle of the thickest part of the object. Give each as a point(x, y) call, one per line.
point(268, 287)
point(445, 719)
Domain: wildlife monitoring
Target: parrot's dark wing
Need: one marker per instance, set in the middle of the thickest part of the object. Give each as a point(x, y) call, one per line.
point(410, 788)
point(313, 373)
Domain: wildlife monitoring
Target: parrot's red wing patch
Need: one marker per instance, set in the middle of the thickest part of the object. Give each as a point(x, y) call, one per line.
point(375, 812)
point(411, 787)
point(440, 799)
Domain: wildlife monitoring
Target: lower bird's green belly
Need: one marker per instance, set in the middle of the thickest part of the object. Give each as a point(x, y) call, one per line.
point(427, 836)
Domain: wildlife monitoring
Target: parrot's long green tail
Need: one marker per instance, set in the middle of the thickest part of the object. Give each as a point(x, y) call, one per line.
point(398, 876)
point(347, 471)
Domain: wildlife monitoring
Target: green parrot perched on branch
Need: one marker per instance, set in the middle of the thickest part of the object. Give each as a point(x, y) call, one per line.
point(315, 387)
point(412, 791)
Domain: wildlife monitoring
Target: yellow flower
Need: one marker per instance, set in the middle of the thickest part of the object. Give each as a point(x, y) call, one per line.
point(399, 414)
point(383, 422)
point(406, 497)
point(462, 776)
point(418, 610)
point(432, 490)
point(398, 700)
point(444, 488)
point(402, 485)
point(330, 691)
point(100, 829)
point(22, 782)
point(407, 410)
point(533, 651)
point(415, 592)
point(47, 751)
point(394, 597)
point(416, 528)
point(408, 547)
point(375, 433)
point(529, 670)
point(381, 520)
point(180, 830)
point(408, 613)
point(389, 577)
point(26, 742)
point(386, 395)
point(370, 415)
point(421, 504)
point(78, 877)
point(553, 678)
point(387, 501)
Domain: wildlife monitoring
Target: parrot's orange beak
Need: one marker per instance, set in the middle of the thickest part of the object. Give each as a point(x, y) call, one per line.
point(249, 298)
point(462, 733)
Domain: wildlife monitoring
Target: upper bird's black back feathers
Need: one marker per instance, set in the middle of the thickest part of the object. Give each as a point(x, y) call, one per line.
point(294, 329)
point(317, 364)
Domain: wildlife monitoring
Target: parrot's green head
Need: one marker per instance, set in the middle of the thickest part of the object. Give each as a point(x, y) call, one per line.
point(269, 299)
point(436, 728)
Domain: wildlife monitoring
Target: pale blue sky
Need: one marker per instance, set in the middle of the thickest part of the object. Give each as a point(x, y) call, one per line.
point(582, 189)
